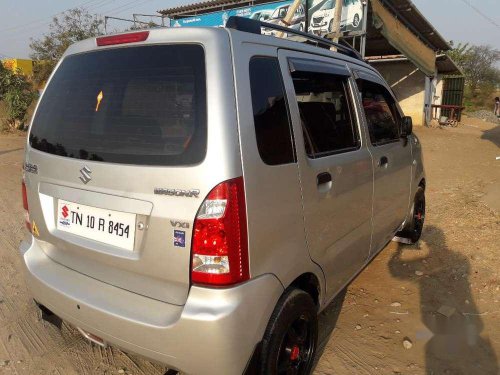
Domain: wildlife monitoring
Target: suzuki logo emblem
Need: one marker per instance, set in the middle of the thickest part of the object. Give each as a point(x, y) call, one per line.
point(85, 175)
point(65, 211)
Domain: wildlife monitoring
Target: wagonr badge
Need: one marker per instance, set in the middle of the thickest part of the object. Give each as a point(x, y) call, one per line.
point(85, 175)
point(192, 193)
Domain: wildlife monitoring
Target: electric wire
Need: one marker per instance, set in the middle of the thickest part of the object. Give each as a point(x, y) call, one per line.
point(478, 11)
point(37, 23)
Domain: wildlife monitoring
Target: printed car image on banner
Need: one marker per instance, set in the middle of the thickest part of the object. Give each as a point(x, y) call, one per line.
point(320, 14)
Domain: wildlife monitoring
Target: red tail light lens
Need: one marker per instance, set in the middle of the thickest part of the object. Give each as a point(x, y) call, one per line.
point(140, 36)
point(25, 206)
point(220, 246)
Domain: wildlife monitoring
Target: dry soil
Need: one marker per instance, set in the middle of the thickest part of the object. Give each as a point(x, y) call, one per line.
point(433, 308)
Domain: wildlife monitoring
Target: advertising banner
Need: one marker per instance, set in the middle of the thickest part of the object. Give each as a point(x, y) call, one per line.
point(316, 16)
point(270, 12)
point(322, 12)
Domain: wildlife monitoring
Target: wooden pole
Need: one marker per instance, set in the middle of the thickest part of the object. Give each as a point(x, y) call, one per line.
point(289, 16)
point(362, 48)
point(337, 19)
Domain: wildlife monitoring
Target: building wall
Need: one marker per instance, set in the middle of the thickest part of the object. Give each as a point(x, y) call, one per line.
point(408, 83)
point(26, 66)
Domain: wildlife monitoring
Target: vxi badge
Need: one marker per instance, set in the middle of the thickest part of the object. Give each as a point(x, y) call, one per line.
point(192, 193)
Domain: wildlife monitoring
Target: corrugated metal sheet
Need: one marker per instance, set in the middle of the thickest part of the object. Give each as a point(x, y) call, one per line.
point(409, 13)
point(208, 6)
point(446, 65)
point(394, 30)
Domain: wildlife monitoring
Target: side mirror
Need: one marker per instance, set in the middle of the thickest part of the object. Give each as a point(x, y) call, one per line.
point(406, 126)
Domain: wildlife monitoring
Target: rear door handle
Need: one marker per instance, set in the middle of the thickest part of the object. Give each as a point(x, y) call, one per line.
point(323, 178)
point(383, 161)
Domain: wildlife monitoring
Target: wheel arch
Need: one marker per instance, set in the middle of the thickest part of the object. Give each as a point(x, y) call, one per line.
point(309, 283)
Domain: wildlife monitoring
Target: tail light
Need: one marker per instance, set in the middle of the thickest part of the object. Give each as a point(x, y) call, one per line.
point(111, 40)
point(25, 206)
point(220, 247)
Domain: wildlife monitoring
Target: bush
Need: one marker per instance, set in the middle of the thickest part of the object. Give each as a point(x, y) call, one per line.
point(482, 98)
point(18, 94)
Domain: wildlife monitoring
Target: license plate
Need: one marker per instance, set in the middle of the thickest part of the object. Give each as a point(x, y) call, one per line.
point(98, 224)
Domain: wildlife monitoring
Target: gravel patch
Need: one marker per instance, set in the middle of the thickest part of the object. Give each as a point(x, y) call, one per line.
point(484, 115)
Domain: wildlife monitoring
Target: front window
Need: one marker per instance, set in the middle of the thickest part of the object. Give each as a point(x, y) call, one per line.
point(328, 5)
point(280, 13)
point(326, 111)
point(381, 112)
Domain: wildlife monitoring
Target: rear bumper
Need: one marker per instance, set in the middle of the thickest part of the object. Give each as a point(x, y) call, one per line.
point(215, 332)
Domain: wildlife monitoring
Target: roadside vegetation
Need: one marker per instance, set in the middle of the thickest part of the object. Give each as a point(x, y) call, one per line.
point(72, 26)
point(480, 65)
point(18, 93)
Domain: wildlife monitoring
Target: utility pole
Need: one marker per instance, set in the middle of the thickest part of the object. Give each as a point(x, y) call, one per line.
point(362, 49)
point(337, 18)
point(289, 16)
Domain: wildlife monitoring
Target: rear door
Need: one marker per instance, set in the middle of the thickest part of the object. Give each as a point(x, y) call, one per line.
point(271, 174)
point(127, 142)
point(334, 162)
point(392, 159)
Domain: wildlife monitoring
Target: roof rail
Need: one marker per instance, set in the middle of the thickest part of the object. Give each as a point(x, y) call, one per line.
point(254, 26)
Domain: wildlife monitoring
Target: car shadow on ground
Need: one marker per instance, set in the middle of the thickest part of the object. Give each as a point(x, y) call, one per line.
point(454, 342)
point(327, 321)
point(492, 135)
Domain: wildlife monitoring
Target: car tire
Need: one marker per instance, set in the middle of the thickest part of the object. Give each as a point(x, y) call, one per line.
point(413, 230)
point(290, 340)
point(355, 20)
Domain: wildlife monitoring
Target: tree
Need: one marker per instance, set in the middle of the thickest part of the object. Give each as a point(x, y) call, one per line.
point(70, 27)
point(478, 64)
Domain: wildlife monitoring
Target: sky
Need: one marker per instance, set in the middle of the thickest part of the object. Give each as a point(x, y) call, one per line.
point(473, 21)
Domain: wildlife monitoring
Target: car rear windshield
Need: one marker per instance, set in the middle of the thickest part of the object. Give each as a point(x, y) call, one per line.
point(141, 105)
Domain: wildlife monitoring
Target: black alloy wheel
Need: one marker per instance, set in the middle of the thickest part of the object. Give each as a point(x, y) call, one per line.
point(418, 215)
point(289, 344)
point(355, 21)
point(297, 348)
point(413, 230)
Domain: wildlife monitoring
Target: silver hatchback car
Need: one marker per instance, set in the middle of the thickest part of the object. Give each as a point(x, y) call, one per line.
point(197, 196)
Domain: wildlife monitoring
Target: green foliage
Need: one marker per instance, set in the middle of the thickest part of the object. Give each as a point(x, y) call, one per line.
point(18, 94)
point(479, 64)
point(4, 74)
point(72, 26)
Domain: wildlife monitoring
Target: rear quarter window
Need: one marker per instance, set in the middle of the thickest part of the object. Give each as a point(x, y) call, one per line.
point(141, 105)
point(270, 112)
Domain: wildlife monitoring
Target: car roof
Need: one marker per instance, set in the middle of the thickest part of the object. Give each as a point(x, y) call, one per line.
point(288, 43)
point(159, 35)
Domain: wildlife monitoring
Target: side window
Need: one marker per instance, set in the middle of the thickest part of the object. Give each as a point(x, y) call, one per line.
point(326, 112)
point(381, 112)
point(270, 112)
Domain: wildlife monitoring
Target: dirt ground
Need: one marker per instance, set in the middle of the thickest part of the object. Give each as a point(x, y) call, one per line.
point(389, 321)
